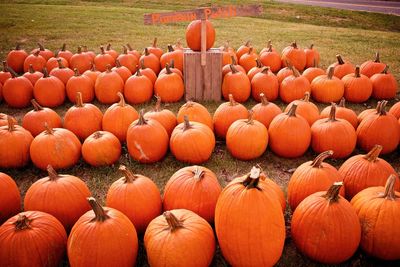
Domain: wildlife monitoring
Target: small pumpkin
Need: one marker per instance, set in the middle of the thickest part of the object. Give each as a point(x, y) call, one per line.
point(227, 68)
point(5, 73)
point(103, 59)
point(295, 55)
point(80, 61)
point(265, 111)
point(111, 52)
point(271, 59)
point(384, 85)
point(132, 51)
point(82, 84)
point(172, 54)
point(128, 60)
point(368, 111)
point(256, 69)
point(327, 88)
point(49, 91)
point(357, 87)
point(227, 54)
point(154, 49)
point(341, 68)
point(305, 108)
point(10, 198)
point(265, 82)
point(91, 54)
point(193, 35)
point(195, 112)
point(164, 116)
point(149, 73)
point(248, 60)
point(61, 72)
point(122, 71)
point(52, 63)
point(93, 73)
point(138, 88)
point(37, 61)
point(293, 87)
point(284, 72)
point(151, 61)
point(371, 67)
point(243, 49)
point(33, 75)
point(169, 86)
point(395, 110)
point(101, 149)
point(64, 53)
point(313, 72)
point(342, 113)
point(312, 56)
point(44, 52)
point(17, 91)
point(172, 68)
point(236, 83)
point(107, 86)
point(16, 57)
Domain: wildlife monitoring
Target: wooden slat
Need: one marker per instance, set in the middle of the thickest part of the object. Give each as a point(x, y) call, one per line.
point(199, 77)
point(189, 73)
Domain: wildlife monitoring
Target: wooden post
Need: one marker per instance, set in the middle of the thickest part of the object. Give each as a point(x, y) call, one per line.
point(203, 58)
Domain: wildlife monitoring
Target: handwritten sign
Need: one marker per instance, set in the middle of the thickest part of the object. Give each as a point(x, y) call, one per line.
point(200, 13)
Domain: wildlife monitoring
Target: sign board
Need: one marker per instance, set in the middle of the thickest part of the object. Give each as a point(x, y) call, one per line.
point(203, 13)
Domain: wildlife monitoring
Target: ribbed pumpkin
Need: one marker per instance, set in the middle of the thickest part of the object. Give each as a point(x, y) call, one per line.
point(111, 52)
point(236, 83)
point(273, 187)
point(49, 91)
point(327, 88)
point(226, 114)
point(32, 75)
point(265, 83)
point(312, 56)
point(44, 52)
point(61, 72)
point(16, 57)
point(368, 111)
point(154, 49)
point(325, 227)
point(395, 110)
point(64, 53)
point(363, 171)
point(325, 133)
point(227, 68)
point(91, 54)
point(14, 145)
point(267, 47)
point(57, 147)
point(172, 54)
point(289, 135)
point(254, 70)
point(132, 51)
point(189, 187)
point(80, 83)
point(138, 88)
point(384, 85)
point(149, 73)
point(122, 71)
point(128, 194)
point(310, 177)
point(379, 128)
point(192, 142)
point(342, 113)
point(164, 116)
point(249, 215)
point(305, 108)
point(372, 67)
point(341, 68)
point(248, 60)
point(357, 87)
point(128, 60)
point(284, 72)
point(195, 112)
point(32, 238)
point(83, 119)
point(265, 111)
point(47, 193)
point(179, 232)
point(243, 49)
point(172, 68)
point(118, 117)
point(4, 119)
point(313, 72)
point(17, 91)
point(52, 63)
point(147, 140)
point(37, 61)
point(10, 198)
point(193, 35)
point(378, 209)
point(101, 149)
point(107, 86)
point(5, 73)
point(102, 60)
point(293, 87)
point(169, 86)
point(295, 55)
point(110, 230)
point(34, 120)
point(271, 59)
point(80, 61)
point(151, 61)
point(247, 139)
point(92, 73)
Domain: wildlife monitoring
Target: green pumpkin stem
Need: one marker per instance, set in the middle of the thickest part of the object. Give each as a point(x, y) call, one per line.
point(357, 72)
point(53, 175)
point(198, 173)
point(172, 221)
point(332, 113)
point(10, 123)
point(100, 213)
point(22, 222)
point(36, 105)
point(79, 101)
point(339, 59)
point(373, 154)
point(377, 59)
point(252, 178)
point(128, 174)
point(332, 195)
point(317, 162)
point(292, 111)
point(390, 194)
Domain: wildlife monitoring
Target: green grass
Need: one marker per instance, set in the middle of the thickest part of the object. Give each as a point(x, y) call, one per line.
point(355, 35)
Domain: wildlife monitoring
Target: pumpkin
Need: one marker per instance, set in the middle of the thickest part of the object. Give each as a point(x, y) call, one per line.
point(80, 61)
point(34, 120)
point(149, 73)
point(90, 54)
point(284, 72)
point(32, 238)
point(357, 87)
point(49, 91)
point(293, 87)
point(173, 69)
point(107, 86)
point(227, 54)
point(172, 54)
point(395, 110)
point(289, 135)
point(310, 177)
point(341, 68)
point(267, 47)
point(57, 147)
point(93, 73)
point(367, 112)
point(371, 67)
point(248, 214)
point(37, 61)
point(325, 132)
point(325, 227)
point(16, 58)
point(102, 60)
point(227, 68)
point(295, 55)
point(327, 88)
point(61, 72)
point(164, 116)
point(248, 60)
point(82, 84)
point(138, 88)
point(243, 49)
point(169, 86)
point(52, 63)
point(379, 128)
point(4, 119)
point(271, 59)
point(226, 114)
point(33, 75)
point(195, 112)
point(312, 56)
point(151, 61)
point(274, 188)
point(265, 82)
point(14, 145)
point(134, 52)
point(154, 49)
point(47, 193)
point(128, 60)
point(236, 83)
point(256, 69)
point(111, 52)
point(147, 140)
point(193, 35)
point(122, 71)
point(126, 195)
point(342, 113)
point(312, 72)
point(265, 111)
point(101, 149)
point(378, 209)
point(118, 117)
point(111, 230)
point(5, 74)
point(17, 91)
point(192, 142)
point(384, 85)
point(305, 108)
point(64, 53)
point(363, 171)
point(182, 232)
point(10, 198)
point(44, 52)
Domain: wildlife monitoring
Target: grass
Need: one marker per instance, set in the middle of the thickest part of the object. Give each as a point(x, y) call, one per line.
point(355, 35)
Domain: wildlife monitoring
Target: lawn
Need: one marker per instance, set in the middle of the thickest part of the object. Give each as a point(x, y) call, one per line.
point(355, 35)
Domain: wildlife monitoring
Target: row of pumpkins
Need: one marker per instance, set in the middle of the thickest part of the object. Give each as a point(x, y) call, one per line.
point(248, 217)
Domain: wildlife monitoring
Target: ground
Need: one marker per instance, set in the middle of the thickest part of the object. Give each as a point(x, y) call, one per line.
point(355, 35)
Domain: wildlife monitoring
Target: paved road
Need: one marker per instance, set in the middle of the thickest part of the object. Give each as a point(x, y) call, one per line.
point(388, 7)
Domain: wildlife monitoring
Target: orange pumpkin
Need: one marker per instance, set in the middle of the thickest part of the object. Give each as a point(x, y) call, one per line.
point(327, 88)
point(305, 108)
point(357, 87)
point(16, 57)
point(164, 116)
point(49, 91)
point(256, 69)
point(248, 60)
point(111, 52)
point(243, 49)
point(33, 75)
point(128, 60)
point(295, 55)
point(312, 56)
point(5, 74)
point(267, 47)
point(395, 110)
point(149, 73)
point(10, 198)
point(193, 35)
point(52, 63)
point(37, 61)
point(92, 73)
point(17, 91)
point(101, 149)
point(172, 68)
point(151, 61)
point(236, 83)
point(227, 54)
point(122, 71)
point(293, 87)
point(138, 88)
point(341, 113)
point(195, 112)
point(313, 72)
point(61, 72)
point(102, 60)
point(371, 67)
point(271, 59)
point(227, 68)
point(368, 111)
point(341, 68)
point(44, 52)
point(154, 49)
point(169, 86)
point(172, 54)
point(82, 84)
point(80, 61)
point(88, 53)
point(265, 111)
point(284, 72)
point(265, 82)
point(132, 51)
point(107, 86)
point(384, 85)
point(64, 53)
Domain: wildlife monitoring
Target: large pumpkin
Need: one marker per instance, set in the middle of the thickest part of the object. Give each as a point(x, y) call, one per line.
point(80, 61)
point(293, 87)
point(101, 149)
point(17, 91)
point(80, 83)
point(327, 88)
point(195, 112)
point(341, 68)
point(384, 85)
point(357, 87)
point(193, 35)
point(371, 67)
point(107, 86)
point(305, 108)
point(10, 198)
point(49, 91)
point(164, 116)
point(169, 86)
point(295, 55)
point(265, 111)
point(265, 82)
point(236, 83)
point(342, 113)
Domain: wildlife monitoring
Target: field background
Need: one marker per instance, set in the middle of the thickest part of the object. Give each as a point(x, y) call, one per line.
point(355, 35)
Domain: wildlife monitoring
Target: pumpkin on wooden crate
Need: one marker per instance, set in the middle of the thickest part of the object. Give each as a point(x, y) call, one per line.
point(80, 61)
point(49, 91)
point(193, 35)
point(47, 193)
point(378, 209)
point(295, 55)
point(102, 60)
point(313, 72)
point(128, 60)
point(236, 83)
point(265, 111)
point(127, 195)
point(64, 52)
point(61, 72)
point(17, 91)
point(312, 56)
point(101, 149)
point(357, 87)
point(122, 71)
point(384, 85)
point(248, 60)
point(164, 116)
point(265, 82)
point(37, 61)
point(293, 87)
point(327, 88)
point(16, 57)
point(179, 232)
point(305, 108)
point(138, 88)
point(271, 59)
point(325, 227)
point(195, 112)
point(107, 86)
point(10, 198)
point(80, 83)
point(342, 113)
point(32, 238)
point(341, 68)
point(371, 67)
point(194, 188)
point(33, 75)
point(172, 54)
point(169, 86)
point(112, 232)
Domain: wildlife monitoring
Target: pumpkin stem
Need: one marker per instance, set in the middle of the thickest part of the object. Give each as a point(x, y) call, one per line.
point(339, 59)
point(265, 70)
point(247, 43)
point(269, 47)
point(288, 63)
point(311, 46)
point(22, 222)
point(53, 175)
point(259, 64)
point(155, 42)
point(315, 64)
point(385, 70)
point(381, 110)
point(253, 178)
point(36, 105)
point(170, 48)
point(146, 52)
point(79, 101)
point(172, 63)
point(97, 135)
point(317, 162)
point(377, 59)
point(102, 51)
point(99, 212)
point(121, 102)
point(264, 100)
point(332, 114)
point(11, 124)
point(250, 117)
point(373, 154)
point(233, 68)
point(332, 195)
point(79, 49)
point(125, 49)
point(129, 47)
point(18, 47)
point(250, 50)
point(294, 44)
point(390, 194)
point(76, 72)
point(45, 73)
point(5, 66)
point(93, 67)
point(330, 72)
point(357, 72)
point(232, 101)
point(187, 124)
point(198, 173)
point(158, 103)
point(172, 221)
point(48, 128)
point(342, 103)
point(138, 73)
point(41, 47)
point(168, 68)
point(117, 63)
point(13, 73)
point(31, 70)
point(85, 49)
point(108, 68)
point(142, 66)
point(296, 73)
point(142, 120)
point(306, 97)
point(64, 46)
point(60, 64)
point(108, 47)
point(36, 54)
point(233, 60)
point(292, 111)
point(129, 176)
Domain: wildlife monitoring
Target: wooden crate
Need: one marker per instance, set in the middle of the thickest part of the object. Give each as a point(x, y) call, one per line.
point(198, 85)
